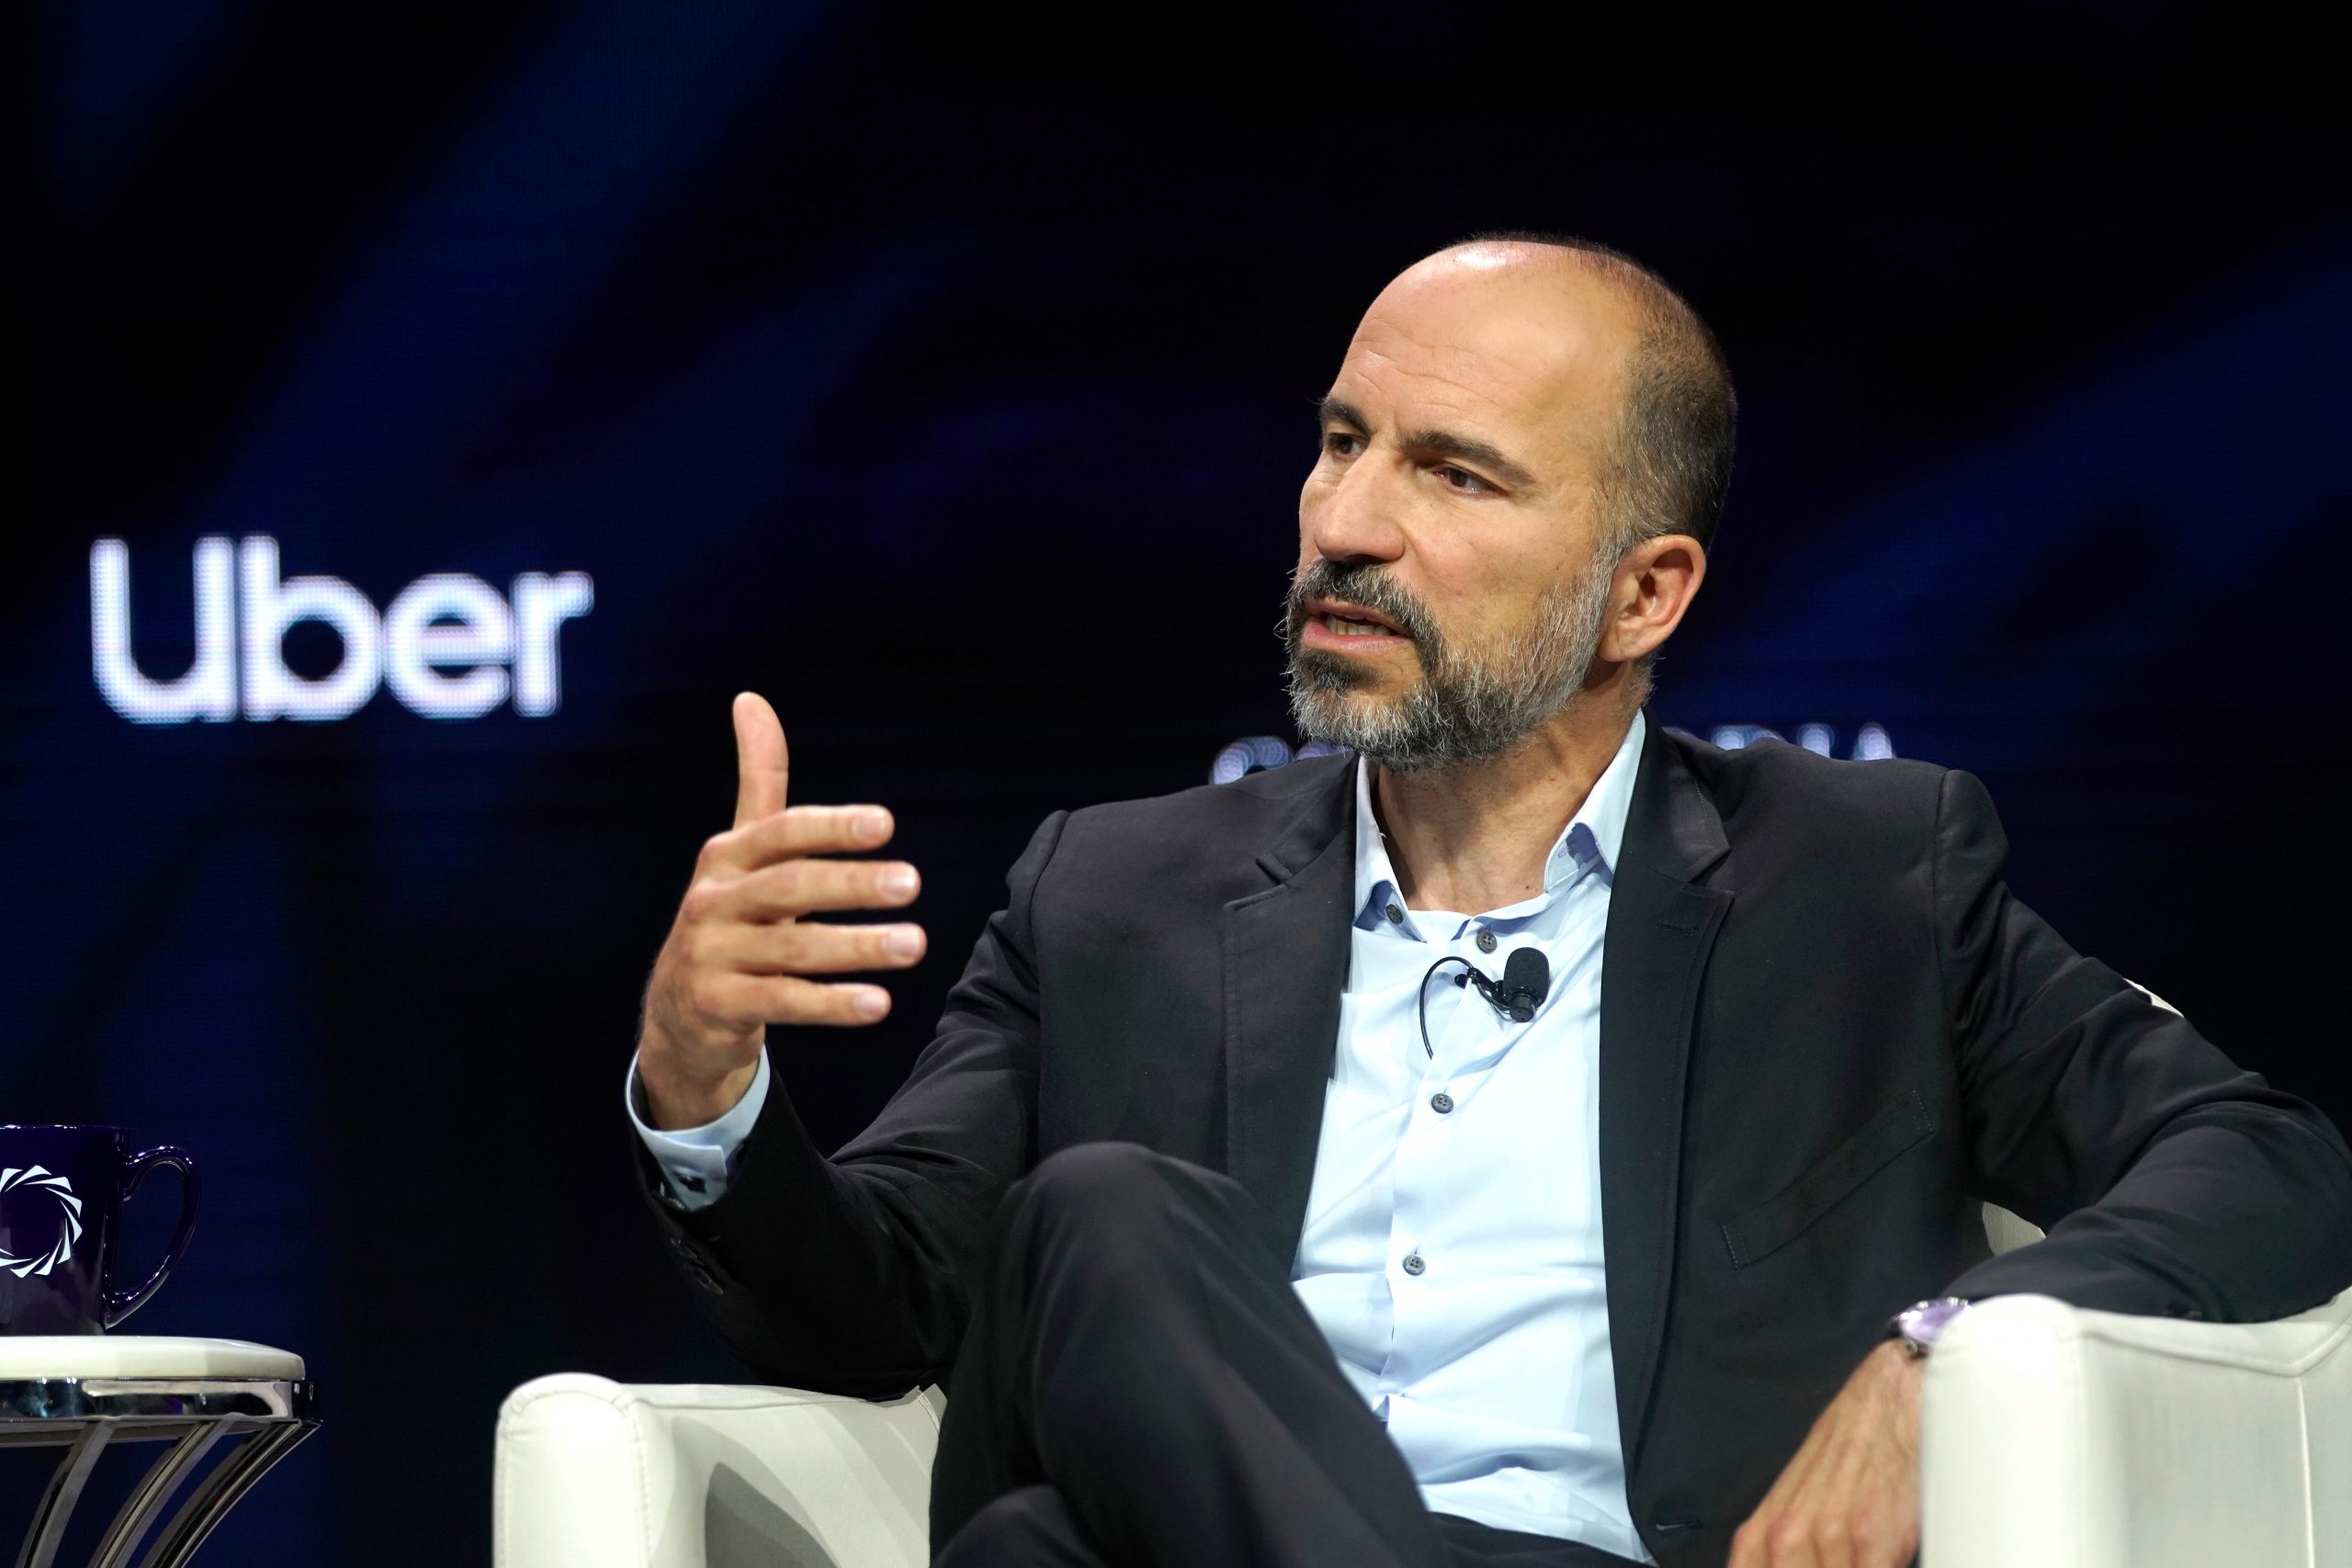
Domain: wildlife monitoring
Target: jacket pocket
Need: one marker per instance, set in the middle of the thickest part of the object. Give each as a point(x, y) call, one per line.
point(1782, 1218)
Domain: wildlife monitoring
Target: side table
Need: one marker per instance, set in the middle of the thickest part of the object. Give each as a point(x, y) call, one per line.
point(85, 1392)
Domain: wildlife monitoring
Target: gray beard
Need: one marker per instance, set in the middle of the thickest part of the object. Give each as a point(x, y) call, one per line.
point(1474, 700)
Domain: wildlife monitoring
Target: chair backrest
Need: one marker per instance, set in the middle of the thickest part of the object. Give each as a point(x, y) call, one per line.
point(2008, 1232)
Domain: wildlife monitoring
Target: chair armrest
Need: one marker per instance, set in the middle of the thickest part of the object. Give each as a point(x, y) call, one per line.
point(592, 1473)
point(2056, 1437)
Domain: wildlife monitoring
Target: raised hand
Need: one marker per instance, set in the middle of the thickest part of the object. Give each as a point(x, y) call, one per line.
point(737, 955)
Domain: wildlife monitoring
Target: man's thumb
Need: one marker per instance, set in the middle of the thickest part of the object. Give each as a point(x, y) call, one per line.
point(763, 766)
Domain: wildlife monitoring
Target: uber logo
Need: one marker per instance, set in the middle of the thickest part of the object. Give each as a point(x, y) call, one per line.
point(450, 646)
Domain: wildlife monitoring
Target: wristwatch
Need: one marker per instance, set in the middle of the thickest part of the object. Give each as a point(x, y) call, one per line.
point(1917, 1327)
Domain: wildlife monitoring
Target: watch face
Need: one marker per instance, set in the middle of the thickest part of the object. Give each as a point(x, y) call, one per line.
point(1922, 1324)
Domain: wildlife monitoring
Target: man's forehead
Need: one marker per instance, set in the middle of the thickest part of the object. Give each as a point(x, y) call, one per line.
point(1518, 345)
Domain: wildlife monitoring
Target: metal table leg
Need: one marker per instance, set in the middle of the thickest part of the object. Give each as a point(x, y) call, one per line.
point(193, 1416)
point(219, 1492)
point(55, 1508)
point(147, 1499)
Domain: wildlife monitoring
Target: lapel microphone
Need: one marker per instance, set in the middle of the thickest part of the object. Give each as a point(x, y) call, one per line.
point(1527, 979)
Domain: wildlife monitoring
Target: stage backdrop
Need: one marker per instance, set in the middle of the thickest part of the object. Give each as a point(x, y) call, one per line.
point(438, 416)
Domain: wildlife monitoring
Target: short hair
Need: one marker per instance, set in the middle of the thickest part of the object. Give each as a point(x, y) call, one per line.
point(1670, 464)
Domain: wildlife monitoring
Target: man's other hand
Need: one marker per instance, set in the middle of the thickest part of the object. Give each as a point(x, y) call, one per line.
point(735, 957)
point(1851, 1498)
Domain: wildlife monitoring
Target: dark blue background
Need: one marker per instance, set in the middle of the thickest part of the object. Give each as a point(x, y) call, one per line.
point(949, 377)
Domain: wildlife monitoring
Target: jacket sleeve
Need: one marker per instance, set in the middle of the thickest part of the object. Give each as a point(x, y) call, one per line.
point(2170, 1182)
point(851, 1275)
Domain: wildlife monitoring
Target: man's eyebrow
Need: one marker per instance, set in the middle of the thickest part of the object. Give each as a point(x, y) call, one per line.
point(1338, 410)
point(1434, 444)
point(1445, 444)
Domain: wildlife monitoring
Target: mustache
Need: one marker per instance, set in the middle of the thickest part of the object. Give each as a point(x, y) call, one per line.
point(1363, 584)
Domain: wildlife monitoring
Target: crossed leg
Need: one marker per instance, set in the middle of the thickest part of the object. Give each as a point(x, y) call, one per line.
point(1139, 1384)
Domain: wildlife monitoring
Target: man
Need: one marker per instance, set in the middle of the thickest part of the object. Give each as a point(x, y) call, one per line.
point(1285, 1185)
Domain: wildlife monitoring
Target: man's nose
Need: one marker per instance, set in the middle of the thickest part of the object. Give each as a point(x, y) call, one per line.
point(1354, 518)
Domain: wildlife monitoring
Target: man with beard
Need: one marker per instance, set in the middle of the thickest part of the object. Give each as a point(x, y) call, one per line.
point(1283, 1185)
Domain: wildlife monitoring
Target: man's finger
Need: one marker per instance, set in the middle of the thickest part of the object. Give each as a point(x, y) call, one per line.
point(797, 831)
point(1789, 1544)
point(1833, 1536)
point(781, 998)
point(811, 947)
point(763, 766)
point(796, 888)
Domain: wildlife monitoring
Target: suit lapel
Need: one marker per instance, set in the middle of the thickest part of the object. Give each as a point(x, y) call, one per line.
point(1661, 929)
point(1285, 964)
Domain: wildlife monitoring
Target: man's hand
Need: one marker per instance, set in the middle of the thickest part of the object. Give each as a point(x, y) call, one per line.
point(734, 959)
point(1851, 1498)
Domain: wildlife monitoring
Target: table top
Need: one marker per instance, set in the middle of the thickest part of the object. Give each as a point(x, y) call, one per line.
point(35, 1356)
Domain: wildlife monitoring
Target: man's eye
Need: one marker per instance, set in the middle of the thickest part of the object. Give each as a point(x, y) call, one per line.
point(1463, 480)
point(1340, 443)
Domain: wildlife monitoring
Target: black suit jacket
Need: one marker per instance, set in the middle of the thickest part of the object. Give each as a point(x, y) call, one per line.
point(1826, 1030)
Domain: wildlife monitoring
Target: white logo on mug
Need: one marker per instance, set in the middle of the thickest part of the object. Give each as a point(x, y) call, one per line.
point(68, 1205)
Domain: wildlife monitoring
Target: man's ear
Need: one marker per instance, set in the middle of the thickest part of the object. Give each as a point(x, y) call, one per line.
point(1655, 582)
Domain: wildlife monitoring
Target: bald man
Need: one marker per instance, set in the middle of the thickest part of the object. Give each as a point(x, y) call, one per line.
point(1528, 1137)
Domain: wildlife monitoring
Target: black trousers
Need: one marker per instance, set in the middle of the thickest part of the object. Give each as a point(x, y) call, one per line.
point(1140, 1386)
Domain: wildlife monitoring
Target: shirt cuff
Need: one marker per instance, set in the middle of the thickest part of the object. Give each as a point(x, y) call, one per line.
point(698, 1162)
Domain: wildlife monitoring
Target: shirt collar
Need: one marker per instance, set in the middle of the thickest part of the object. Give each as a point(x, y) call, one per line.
point(1590, 841)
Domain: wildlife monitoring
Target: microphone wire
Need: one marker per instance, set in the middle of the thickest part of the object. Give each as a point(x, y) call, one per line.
point(1518, 1005)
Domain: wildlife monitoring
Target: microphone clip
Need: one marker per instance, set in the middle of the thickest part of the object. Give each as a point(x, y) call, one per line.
point(1527, 979)
point(1517, 1003)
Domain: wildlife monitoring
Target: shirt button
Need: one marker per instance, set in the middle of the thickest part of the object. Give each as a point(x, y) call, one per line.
point(1441, 1102)
point(1396, 915)
point(1486, 939)
point(1413, 1264)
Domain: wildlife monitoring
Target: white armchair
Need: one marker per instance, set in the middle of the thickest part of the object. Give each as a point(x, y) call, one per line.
point(2053, 1438)
point(2050, 1438)
point(593, 1474)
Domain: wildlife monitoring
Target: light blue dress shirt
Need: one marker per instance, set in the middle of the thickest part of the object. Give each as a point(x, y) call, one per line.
point(1453, 1247)
point(1451, 1253)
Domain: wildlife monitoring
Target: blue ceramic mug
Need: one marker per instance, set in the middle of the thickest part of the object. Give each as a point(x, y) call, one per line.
point(62, 1192)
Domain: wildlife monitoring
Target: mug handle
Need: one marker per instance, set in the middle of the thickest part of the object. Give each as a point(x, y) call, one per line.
point(120, 1304)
